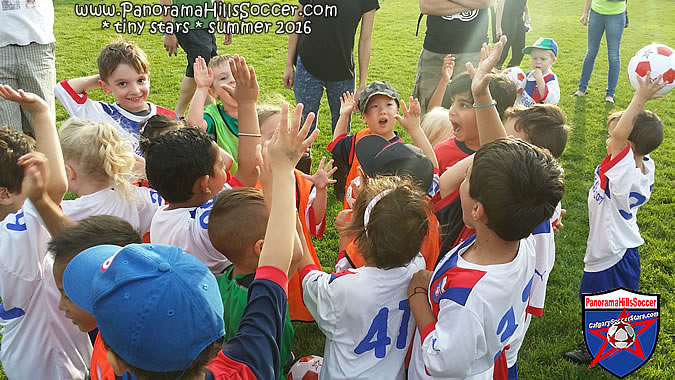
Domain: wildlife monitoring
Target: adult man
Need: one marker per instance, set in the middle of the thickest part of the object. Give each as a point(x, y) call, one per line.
point(457, 27)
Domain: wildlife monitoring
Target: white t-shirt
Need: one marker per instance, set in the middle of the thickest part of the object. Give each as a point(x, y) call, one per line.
point(138, 212)
point(26, 21)
point(528, 95)
point(618, 190)
point(38, 341)
point(478, 310)
point(365, 316)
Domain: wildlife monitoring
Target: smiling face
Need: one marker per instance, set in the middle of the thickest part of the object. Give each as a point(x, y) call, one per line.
point(223, 75)
point(129, 87)
point(83, 320)
point(463, 120)
point(380, 115)
point(542, 59)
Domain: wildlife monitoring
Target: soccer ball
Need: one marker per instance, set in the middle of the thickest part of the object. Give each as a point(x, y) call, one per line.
point(517, 75)
point(620, 335)
point(306, 368)
point(657, 59)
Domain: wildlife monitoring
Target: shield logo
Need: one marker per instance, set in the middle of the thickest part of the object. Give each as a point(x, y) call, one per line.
point(621, 328)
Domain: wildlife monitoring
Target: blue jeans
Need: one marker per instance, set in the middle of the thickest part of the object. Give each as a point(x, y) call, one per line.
point(612, 26)
point(308, 90)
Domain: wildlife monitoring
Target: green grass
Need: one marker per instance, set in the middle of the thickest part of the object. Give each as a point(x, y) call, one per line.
point(394, 58)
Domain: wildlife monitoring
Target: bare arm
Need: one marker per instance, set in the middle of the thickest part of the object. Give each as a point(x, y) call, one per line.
point(498, 17)
point(321, 179)
point(289, 72)
point(411, 123)
point(170, 41)
point(453, 176)
point(417, 299)
point(446, 74)
point(365, 45)
point(587, 11)
point(84, 84)
point(347, 105)
point(203, 79)
point(447, 7)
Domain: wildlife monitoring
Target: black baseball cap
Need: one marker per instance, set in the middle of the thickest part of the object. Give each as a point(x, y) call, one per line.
point(377, 88)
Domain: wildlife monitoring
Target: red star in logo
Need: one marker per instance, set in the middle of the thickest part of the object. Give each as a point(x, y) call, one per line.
point(635, 348)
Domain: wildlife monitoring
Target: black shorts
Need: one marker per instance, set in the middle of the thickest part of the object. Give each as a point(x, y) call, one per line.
point(197, 42)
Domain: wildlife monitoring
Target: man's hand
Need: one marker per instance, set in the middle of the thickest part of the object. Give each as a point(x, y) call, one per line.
point(288, 142)
point(27, 100)
point(228, 39)
point(171, 44)
point(321, 177)
point(411, 117)
point(247, 84)
point(203, 76)
point(356, 97)
point(347, 104)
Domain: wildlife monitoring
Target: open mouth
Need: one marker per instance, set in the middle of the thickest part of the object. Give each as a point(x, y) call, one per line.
point(456, 128)
point(383, 122)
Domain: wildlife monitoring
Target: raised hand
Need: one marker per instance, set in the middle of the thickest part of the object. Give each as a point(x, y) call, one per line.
point(321, 178)
point(27, 100)
point(410, 120)
point(203, 76)
point(648, 88)
point(481, 76)
point(247, 89)
point(289, 141)
point(347, 104)
point(448, 68)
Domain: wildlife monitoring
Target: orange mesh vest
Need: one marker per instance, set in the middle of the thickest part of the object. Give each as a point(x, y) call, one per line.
point(353, 164)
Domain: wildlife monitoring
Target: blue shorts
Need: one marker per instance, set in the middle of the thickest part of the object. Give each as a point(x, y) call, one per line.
point(625, 273)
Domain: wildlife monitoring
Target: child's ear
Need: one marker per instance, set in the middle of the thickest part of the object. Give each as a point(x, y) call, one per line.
point(71, 174)
point(5, 197)
point(258, 246)
point(104, 86)
point(201, 185)
point(478, 211)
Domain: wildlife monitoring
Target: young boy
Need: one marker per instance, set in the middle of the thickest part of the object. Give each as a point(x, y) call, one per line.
point(541, 85)
point(479, 291)
point(622, 183)
point(464, 143)
point(219, 121)
point(183, 325)
point(186, 168)
point(124, 72)
point(38, 342)
point(364, 312)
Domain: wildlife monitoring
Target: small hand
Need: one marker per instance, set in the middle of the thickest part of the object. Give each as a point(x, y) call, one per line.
point(203, 76)
point(347, 104)
point(289, 73)
point(290, 141)
point(448, 68)
point(648, 88)
point(537, 75)
point(420, 279)
point(36, 175)
point(321, 177)
point(171, 44)
point(263, 167)
point(481, 76)
point(27, 100)
point(247, 89)
point(362, 182)
point(557, 224)
point(411, 117)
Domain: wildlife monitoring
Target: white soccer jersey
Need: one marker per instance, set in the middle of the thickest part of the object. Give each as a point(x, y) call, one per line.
point(138, 212)
point(528, 95)
point(38, 342)
point(80, 106)
point(365, 316)
point(478, 309)
point(619, 189)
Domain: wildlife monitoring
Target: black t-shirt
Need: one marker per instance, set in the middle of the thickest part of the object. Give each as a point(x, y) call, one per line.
point(459, 33)
point(514, 8)
point(327, 52)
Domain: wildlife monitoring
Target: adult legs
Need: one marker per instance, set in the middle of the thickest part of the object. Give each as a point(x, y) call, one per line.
point(10, 112)
point(596, 28)
point(334, 91)
point(308, 90)
point(195, 43)
point(614, 26)
point(517, 44)
point(428, 75)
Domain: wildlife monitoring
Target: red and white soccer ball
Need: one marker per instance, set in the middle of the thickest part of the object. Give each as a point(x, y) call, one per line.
point(306, 368)
point(620, 335)
point(657, 59)
point(517, 75)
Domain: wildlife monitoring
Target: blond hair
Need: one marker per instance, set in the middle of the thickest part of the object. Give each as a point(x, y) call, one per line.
point(220, 60)
point(101, 152)
point(270, 105)
point(436, 125)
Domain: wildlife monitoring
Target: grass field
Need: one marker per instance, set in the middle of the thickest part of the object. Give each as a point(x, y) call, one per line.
point(394, 58)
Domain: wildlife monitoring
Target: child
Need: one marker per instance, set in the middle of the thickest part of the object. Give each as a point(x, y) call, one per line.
point(237, 223)
point(186, 168)
point(99, 166)
point(622, 183)
point(219, 121)
point(541, 85)
point(447, 69)
point(310, 199)
point(364, 312)
point(87, 233)
point(38, 342)
point(436, 126)
point(176, 285)
point(542, 125)
point(124, 72)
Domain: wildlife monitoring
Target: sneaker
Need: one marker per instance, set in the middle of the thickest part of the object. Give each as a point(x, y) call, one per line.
point(579, 355)
point(578, 94)
point(609, 99)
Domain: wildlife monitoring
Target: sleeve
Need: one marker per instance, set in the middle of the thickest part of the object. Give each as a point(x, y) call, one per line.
point(552, 95)
point(316, 227)
point(74, 103)
point(318, 298)
point(340, 147)
point(150, 201)
point(544, 245)
point(257, 344)
point(370, 5)
point(617, 174)
point(450, 345)
point(199, 235)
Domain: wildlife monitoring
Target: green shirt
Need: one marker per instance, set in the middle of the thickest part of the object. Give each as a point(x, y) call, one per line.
point(234, 292)
point(606, 7)
point(197, 6)
point(225, 130)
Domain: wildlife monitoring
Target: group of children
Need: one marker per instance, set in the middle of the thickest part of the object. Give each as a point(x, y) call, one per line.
point(189, 250)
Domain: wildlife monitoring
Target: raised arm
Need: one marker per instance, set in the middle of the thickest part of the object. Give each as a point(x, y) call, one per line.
point(618, 137)
point(46, 138)
point(447, 7)
point(289, 71)
point(347, 106)
point(203, 79)
point(411, 123)
point(84, 84)
point(365, 44)
point(446, 74)
point(453, 176)
point(321, 179)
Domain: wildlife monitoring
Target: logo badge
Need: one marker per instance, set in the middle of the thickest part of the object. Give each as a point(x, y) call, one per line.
point(621, 328)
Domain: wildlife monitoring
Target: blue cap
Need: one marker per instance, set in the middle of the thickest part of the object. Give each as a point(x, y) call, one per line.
point(543, 43)
point(156, 306)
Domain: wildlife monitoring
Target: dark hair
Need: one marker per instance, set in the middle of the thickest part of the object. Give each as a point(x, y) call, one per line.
point(207, 354)
point(543, 124)
point(174, 161)
point(518, 184)
point(647, 133)
point(237, 220)
point(119, 52)
point(155, 126)
point(502, 89)
point(398, 223)
point(90, 232)
point(13, 145)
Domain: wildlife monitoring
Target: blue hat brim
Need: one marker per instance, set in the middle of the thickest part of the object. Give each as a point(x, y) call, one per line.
point(80, 273)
